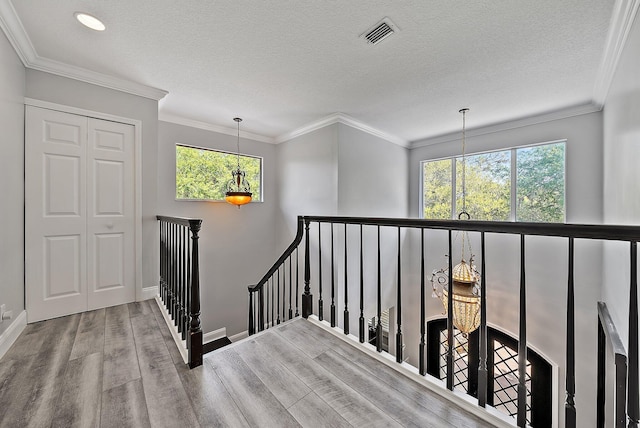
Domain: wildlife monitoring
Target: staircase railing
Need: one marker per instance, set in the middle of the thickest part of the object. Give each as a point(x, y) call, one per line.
point(265, 297)
point(269, 287)
point(608, 333)
point(180, 283)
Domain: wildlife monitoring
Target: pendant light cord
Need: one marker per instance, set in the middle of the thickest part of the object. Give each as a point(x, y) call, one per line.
point(238, 120)
point(464, 160)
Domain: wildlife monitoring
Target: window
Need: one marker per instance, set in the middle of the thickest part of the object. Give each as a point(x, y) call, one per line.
point(524, 184)
point(203, 174)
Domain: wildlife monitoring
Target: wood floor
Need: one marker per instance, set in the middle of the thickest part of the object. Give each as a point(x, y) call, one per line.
point(119, 367)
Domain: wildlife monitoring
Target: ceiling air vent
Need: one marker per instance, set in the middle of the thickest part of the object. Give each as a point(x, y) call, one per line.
point(379, 32)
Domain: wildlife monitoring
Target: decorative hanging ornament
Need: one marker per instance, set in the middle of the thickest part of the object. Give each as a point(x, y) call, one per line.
point(464, 276)
point(238, 189)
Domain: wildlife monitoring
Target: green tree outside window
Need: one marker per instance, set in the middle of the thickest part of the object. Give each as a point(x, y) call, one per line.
point(203, 174)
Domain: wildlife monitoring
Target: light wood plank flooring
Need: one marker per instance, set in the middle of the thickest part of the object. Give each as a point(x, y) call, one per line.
point(119, 367)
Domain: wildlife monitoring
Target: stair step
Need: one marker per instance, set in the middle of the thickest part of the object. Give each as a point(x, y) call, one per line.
point(215, 344)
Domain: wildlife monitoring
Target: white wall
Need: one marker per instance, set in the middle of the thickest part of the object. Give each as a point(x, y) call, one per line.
point(545, 257)
point(372, 175)
point(73, 93)
point(236, 245)
point(341, 171)
point(12, 91)
point(621, 174)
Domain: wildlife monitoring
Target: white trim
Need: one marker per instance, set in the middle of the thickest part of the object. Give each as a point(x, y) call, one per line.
point(239, 336)
point(624, 13)
point(19, 39)
point(463, 400)
point(565, 113)
point(214, 335)
point(179, 120)
point(12, 332)
point(148, 293)
point(346, 120)
point(181, 344)
point(140, 293)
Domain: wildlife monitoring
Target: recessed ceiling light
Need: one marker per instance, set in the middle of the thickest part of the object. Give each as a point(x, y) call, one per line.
point(90, 21)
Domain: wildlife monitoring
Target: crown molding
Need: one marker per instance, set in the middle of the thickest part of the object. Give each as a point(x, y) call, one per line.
point(19, 39)
point(346, 120)
point(564, 113)
point(179, 120)
point(624, 13)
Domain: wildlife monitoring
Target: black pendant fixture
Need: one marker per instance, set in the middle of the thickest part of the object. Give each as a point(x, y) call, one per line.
point(238, 190)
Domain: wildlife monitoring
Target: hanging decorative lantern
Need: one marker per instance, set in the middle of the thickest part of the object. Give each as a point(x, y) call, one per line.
point(238, 190)
point(464, 276)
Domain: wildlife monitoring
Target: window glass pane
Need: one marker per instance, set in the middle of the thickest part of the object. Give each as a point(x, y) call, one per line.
point(488, 186)
point(204, 174)
point(437, 189)
point(540, 183)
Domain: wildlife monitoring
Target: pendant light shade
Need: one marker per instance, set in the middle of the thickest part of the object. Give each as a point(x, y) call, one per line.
point(238, 190)
point(464, 276)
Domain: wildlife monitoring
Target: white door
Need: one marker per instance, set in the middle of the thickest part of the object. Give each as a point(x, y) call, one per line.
point(79, 213)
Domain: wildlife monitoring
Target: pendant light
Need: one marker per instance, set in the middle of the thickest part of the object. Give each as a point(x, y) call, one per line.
point(465, 276)
point(238, 189)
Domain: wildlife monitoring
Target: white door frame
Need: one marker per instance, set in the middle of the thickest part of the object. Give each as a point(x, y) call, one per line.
point(141, 294)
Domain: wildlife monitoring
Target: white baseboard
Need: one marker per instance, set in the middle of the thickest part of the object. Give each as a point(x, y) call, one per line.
point(181, 344)
point(214, 335)
point(149, 293)
point(12, 332)
point(239, 336)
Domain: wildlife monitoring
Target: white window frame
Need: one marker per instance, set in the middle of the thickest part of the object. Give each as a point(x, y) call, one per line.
point(513, 172)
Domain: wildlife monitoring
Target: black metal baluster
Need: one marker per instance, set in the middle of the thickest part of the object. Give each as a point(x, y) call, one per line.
point(482, 366)
point(297, 280)
point(379, 325)
point(333, 284)
point(261, 308)
point(633, 397)
point(320, 302)
point(522, 342)
point(184, 289)
point(569, 407)
point(188, 297)
point(251, 328)
point(450, 338)
point(290, 286)
point(278, 296)
point(307, 297)
point(346, 288)
point(422, 367)
point(173, 272)
point(361, 320)
point(284, 291)
point(273, 300)
point(181, 282)
point(399, 356)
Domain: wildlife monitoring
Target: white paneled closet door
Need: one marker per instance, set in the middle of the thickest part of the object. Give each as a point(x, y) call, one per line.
point(79, 213)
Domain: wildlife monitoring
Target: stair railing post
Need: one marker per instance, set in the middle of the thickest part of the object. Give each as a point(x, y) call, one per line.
point(633, 396)
point(307, 302)
point(570, 407)
point(194, 343)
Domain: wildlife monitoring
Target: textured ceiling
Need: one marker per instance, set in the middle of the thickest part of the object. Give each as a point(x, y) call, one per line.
point(282, 64)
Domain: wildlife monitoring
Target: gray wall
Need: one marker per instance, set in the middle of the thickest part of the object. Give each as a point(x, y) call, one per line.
point(69, 92)
point(237, 245)
point(546, 257)
point(12, 91)
point(621, 174)
point(340, 170)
